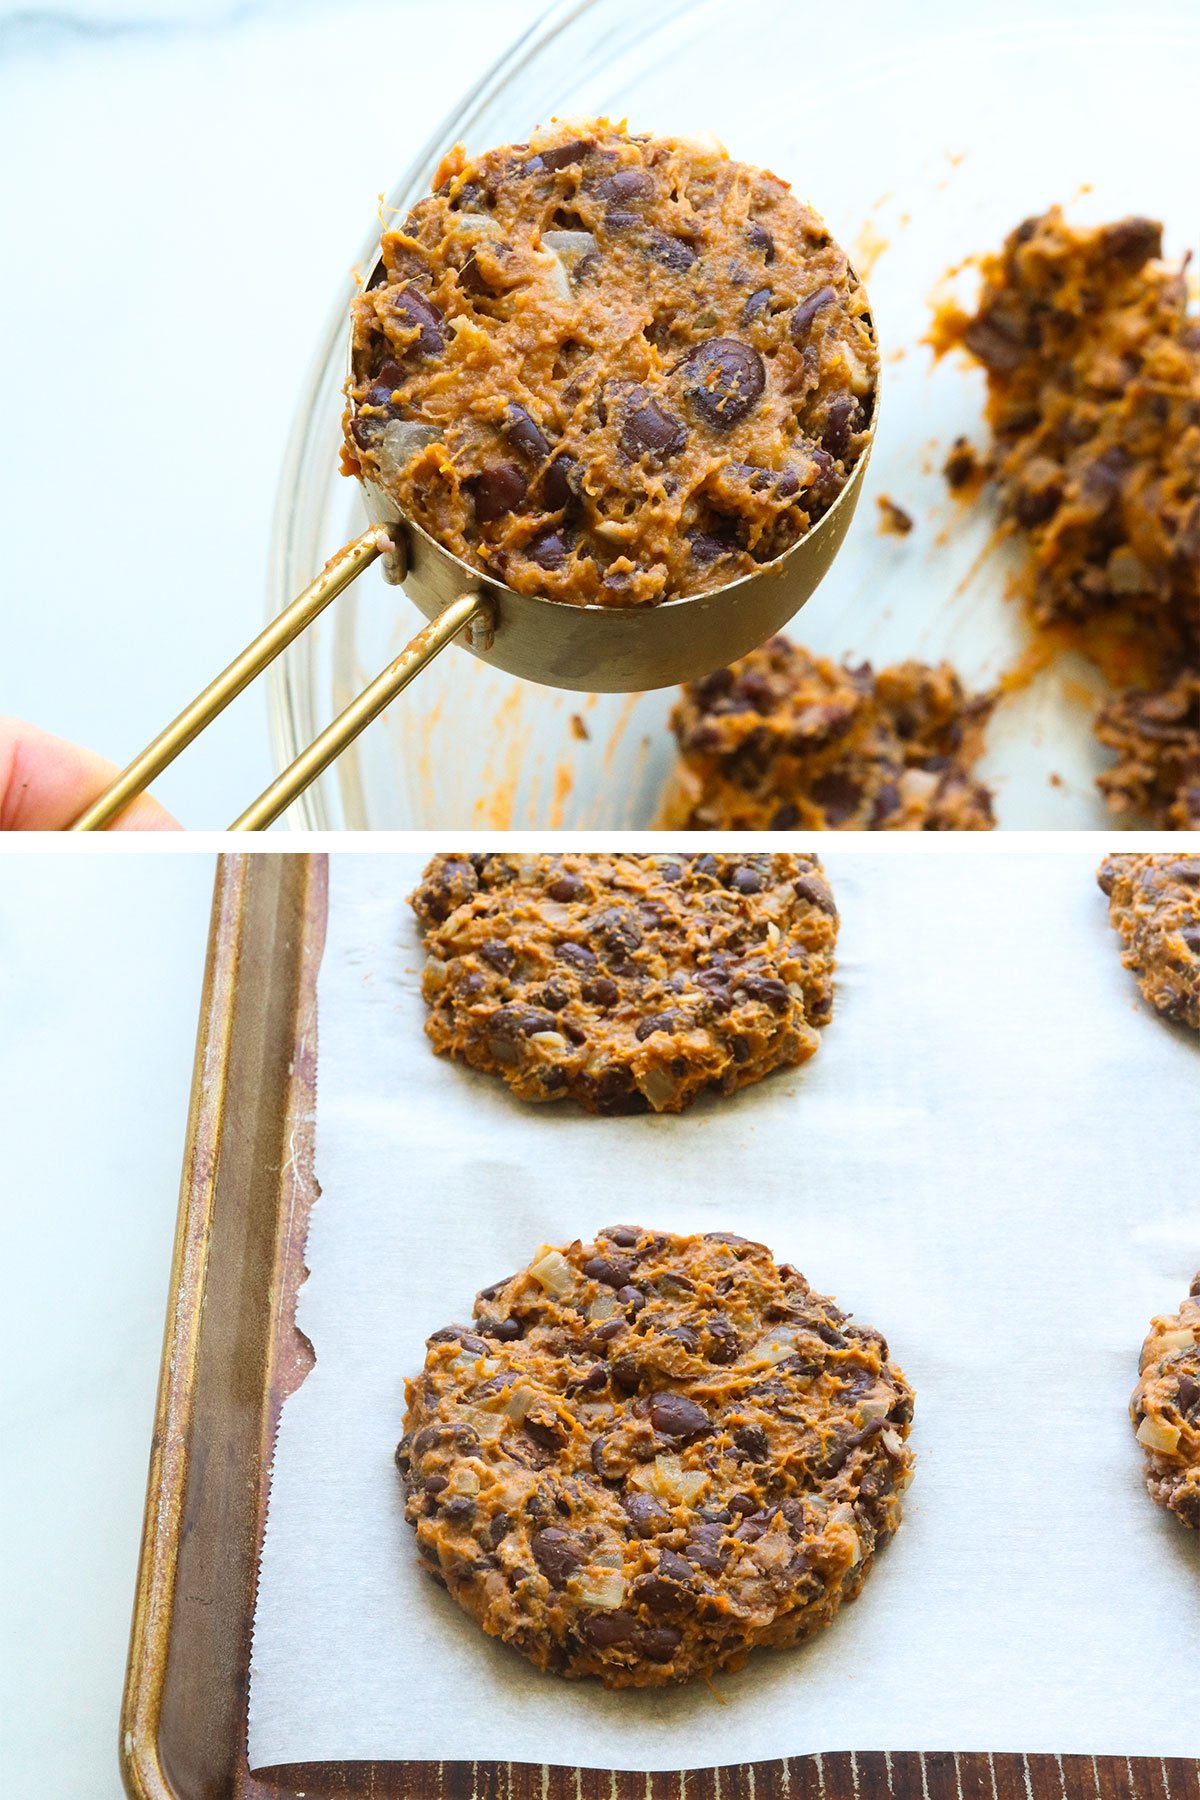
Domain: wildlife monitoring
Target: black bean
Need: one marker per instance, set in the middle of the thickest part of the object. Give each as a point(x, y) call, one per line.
point(496, 1529)
point(724, 1343)
point(553, 997)
point(601, 991)
point(611, 1271)
point(458, 1509)
point(626, 185)
point(602, 1630)
point(672, 252)
point(704, 1548)
point(498, 491)
point(670, 1020)
point(625, 1372)
point(660, 1644)
point(835, 438)
point(646, 1514)
point(416, 313)
point(806, 312)
point(505, 1331)
point(389, 378)
point(663, 1598)
point(631, 1296)
point(1132, 241)
point(1189, 1396)
point(626, 1236)
point(996, 341)
point(758, 302)
point(558, 156)
point(838, 796)
point(557, 1554)
point(497, 955)
point(675, 1416)
point(760, 239)
point(561, 482)
point(707, 549)
point(751, 1440)
point(771, 992)
point(816, 892)
point(647, 429)
point(548, 548)
point(524, 434)
point(576, 956)
point(723, 380)
point(747, 879)
point(567, 886)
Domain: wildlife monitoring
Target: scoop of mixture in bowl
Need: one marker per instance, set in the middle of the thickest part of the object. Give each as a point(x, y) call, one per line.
point(610, 369)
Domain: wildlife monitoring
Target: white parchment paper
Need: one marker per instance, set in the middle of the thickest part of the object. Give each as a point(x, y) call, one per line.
point(992, 1158)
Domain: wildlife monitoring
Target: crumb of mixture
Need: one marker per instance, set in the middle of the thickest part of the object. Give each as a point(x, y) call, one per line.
point(893, 520)
point(784, 740)
point(1093, 366)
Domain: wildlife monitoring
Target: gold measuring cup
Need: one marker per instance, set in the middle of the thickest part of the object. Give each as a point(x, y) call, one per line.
point(593, 649)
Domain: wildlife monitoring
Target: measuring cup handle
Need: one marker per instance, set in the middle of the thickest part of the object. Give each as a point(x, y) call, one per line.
point(471, 611)
point(158, 755)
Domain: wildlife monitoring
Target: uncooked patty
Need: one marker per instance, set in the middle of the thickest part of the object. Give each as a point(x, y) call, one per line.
point(610, 369)
point(651, 1454)
point(1166, 1410)
point(785, 741)
point(627, 983)
point(1154, 902)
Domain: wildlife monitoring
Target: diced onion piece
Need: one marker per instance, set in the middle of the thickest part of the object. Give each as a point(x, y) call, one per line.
point(773, 1551)
point(667, 1477)
point(487, 1425)
point(1156, 1435)
point(520, 1399)
point(471, 224)
point(436, 975)
point(776, 1345)
point(609, 1559)
point(464, 1481)
point(892, 1442)
point(658, 1085)
point(553, 1272)
point(1170, 1341)
point(400, 442)
point(875, 1407)
point(551, 1040)
point(844, 1515)
point(861, 380)
point(603, 1307)
point(917, 785)
point(602, 1588)
point(567, 247)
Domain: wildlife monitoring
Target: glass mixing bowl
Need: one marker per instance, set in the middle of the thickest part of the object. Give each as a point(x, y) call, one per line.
point(923, 133)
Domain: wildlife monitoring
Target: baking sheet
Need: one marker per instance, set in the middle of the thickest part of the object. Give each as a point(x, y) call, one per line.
point(991, 1158)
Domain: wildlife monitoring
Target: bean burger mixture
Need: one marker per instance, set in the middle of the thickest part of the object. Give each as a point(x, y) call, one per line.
point(610, 369)
point(649, 1454)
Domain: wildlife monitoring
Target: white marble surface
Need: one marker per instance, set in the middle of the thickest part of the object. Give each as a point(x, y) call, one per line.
point(101, 961)
point(158, 158)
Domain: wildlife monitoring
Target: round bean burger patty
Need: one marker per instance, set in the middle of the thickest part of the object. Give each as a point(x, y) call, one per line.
point(627, 983)
point(1166, 1410)
point(610, 369)
point(1154, 902)
point(650, 1454)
